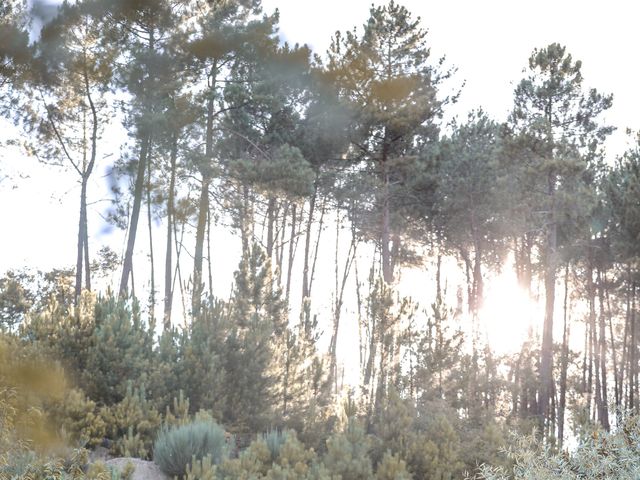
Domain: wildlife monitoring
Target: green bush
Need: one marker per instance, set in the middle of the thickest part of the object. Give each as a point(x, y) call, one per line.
point(274, 440)
point(175, 448)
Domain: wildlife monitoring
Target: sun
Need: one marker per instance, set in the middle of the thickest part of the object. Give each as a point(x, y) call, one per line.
point(507, 314)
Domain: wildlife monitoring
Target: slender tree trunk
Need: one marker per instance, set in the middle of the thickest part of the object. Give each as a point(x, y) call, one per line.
point(625, 342)
point(604, 405)
point(307, 243)
point(565, 359)
point(595, 346)
point(387, 272)
point(281, 244)
point(292, 241)
point(203, 203)
point(152, 293)
point(633, 349)
point(87, 270)
point(614, 356)
point(209, 269)
point(198, 284)
point(81, 239)
point(271, 206)
point(546, 353)
point(317, 244)
point(340, 287)
point(168, 264)
point(135, 214)
point(83, 227)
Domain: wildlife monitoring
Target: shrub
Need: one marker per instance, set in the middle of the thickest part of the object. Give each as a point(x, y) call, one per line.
point(175, 448)
point(601, 455)
point(274, 440)
point(132, 424)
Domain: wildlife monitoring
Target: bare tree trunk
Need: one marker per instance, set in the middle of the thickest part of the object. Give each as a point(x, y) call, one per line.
point(387, 271)
point(281, 243)
point(135, 214)
point(337, 311)
point(203, 203)
point(271, 205)
point(209, 269)
point(81, 239)
point(307, 244)
point(565, 359)
point(292, 241)
point(546, 351)
point(87, 271)
point(595, 345)
point(83, 227)
point(152, 292)
point(633, 349)
point(604, 406)
point(168, 263)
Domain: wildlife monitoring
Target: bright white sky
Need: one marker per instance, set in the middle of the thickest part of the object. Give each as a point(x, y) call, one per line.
point(489, 42)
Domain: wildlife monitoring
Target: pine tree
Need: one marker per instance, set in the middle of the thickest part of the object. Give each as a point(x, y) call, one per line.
point(390, 87)
point(556, 124)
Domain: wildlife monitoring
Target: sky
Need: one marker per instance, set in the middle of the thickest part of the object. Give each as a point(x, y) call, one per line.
point(488, 41)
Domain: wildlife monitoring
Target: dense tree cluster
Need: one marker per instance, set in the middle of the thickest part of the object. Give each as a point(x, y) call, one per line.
point(225, 127)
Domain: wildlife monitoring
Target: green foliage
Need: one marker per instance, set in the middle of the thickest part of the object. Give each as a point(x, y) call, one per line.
point(251, 369)
point(348, 453)
point(165, 376)
point(100, 471)
point(78, 418)
point(200, 370)
point(274, 440)
point(27, 384)
point(15, 299)
point(176, 447)
point(202, 469)
point(392, 467)
point(120, 353)
point(179, 414)
point(29, 466)
point(611, 456)
point(285, 170)
point(132, 424)
point(67, 336)
point(293, 461)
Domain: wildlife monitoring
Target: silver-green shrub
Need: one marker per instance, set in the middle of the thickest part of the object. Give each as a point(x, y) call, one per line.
point(176, 447)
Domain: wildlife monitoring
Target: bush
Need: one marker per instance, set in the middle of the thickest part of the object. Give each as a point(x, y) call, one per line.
point(601, 455)
point(274, 440)
point(175, 448)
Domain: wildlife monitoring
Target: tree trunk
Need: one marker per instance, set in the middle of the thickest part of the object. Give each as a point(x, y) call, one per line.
point(83, 227)
point(387, 272)
point(135, 214)
point(203, 203)
point(546, 352)
point(292, 241)
point(307, 243)
point(633, 349)
point(168, 264)
point(565, 360)
point(340, 287)
point(81, 239)
point(271, 214)
point(152, 292)
point(603, 414)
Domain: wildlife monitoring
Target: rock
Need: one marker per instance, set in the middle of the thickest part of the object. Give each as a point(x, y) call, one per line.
point(99, 454)
point(144, 470)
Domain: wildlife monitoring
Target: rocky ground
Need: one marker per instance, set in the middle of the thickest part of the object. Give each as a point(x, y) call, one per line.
point(144, 470)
